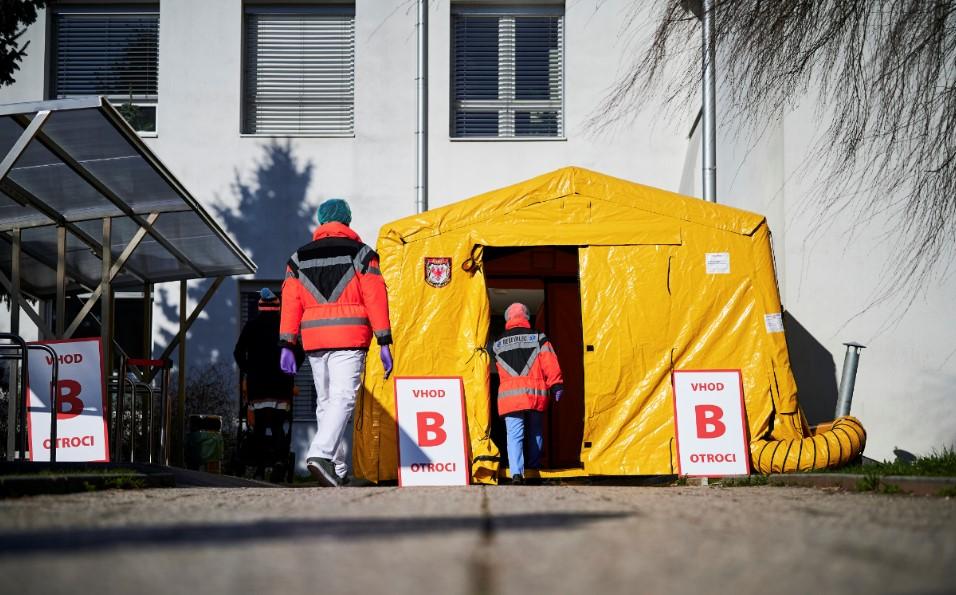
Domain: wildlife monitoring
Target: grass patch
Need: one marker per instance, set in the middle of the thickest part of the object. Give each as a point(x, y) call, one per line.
point(949, 492)
point(873, 482)
point(870, 482)
point(124, 483)
point(937, 464)
point(744, 481)
point(66, 472)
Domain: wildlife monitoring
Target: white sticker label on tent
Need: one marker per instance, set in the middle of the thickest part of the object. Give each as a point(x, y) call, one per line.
point(432, 447)
point(709, 416)
point(718, 263)
point(81, 422)
point(774, 322)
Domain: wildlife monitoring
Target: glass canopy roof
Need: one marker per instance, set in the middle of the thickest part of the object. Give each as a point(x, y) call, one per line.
point(74, 162)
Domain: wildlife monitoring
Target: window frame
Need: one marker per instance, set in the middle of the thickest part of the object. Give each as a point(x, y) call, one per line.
point(490, 9)
point(336, 7)
point(103, 7)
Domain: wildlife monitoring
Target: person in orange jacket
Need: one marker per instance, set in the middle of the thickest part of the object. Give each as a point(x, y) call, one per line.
point(529, 375)
point(335, 300)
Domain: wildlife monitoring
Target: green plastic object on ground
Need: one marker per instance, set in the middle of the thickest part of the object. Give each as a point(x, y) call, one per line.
point(203, 447)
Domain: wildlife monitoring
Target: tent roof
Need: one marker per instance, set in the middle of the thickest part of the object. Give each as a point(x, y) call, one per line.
point(74, 162)
point(497, 205)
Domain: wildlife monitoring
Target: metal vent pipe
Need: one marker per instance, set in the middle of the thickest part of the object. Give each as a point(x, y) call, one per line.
point(421, 130)
point(851, 362)
point(709, 137)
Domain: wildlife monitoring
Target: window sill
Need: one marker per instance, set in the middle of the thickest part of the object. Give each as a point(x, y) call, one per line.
point(507, 139)
point(147, 134)
point(246, 135)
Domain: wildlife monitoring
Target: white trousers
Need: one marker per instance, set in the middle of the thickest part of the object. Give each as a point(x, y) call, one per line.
point(337, 374)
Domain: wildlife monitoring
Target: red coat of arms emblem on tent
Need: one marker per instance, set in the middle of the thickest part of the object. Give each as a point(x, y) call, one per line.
point(437, 271)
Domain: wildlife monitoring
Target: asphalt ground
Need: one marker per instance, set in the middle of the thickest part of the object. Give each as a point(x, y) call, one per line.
point(478, 540)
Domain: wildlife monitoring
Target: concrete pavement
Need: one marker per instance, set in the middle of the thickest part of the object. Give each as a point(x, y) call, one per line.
point(478, 540)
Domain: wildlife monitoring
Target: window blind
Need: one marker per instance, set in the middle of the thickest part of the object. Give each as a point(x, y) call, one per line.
point(114, 54)
point(299, 73)
point(508, 74)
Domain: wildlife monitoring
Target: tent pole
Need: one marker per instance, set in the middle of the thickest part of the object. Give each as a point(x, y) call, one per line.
point(181, 396)
point(60, 281)
point(106, 307)
point(148, 321)
point(15, 274)
point(12, 401)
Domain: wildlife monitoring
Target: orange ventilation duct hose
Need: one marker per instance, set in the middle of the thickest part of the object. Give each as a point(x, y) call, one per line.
point(833, 447)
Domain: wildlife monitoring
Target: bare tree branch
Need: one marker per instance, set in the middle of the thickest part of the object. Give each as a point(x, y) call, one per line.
point(883, 75)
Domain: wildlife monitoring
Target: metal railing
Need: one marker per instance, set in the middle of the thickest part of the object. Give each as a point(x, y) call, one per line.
point(54, 394)
point(22, 402)
point(141, 395)
point(142, 404)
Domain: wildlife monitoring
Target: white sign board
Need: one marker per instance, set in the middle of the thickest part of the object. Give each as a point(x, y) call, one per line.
point(81, 422)
point(709, 416)
point(717, 263)
point(432, 447)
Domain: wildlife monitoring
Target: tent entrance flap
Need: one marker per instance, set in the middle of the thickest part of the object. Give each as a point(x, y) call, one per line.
point(544, 278)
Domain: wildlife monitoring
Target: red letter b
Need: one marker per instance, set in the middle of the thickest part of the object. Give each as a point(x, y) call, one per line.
point(429, 428)
point(708, 421)
point(69, 391)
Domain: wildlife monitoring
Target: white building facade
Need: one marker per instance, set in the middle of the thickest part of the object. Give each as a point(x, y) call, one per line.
point(264, 109)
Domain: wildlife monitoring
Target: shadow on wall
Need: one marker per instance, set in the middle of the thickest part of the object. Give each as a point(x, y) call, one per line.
point(813, 370)
point(269, 217)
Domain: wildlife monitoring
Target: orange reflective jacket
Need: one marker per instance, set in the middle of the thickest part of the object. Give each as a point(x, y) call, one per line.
point(334, 295)
point(528, 368)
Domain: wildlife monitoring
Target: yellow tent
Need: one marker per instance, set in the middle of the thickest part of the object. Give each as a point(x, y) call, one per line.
point(661, 281)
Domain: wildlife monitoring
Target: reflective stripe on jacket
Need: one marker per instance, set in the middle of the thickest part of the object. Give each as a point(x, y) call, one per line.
point(528, 369)
point(334, 296)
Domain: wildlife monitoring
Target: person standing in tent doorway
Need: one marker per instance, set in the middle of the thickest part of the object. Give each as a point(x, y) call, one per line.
point(530, 374)
point(334, 297)
point(268, 392)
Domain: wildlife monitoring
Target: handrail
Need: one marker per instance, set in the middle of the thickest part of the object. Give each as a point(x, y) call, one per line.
point(54, 394)
point(137, 386)
point(22, 387)
point(120, 409)
point(121, 385)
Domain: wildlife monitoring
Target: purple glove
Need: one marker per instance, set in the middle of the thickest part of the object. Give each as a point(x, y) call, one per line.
point(558, 393)
point(287, 361)
point(386, 355)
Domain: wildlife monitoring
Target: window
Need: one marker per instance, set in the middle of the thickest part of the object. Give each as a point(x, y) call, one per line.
point(109, 52)
point(299, 71)
point(508, 72)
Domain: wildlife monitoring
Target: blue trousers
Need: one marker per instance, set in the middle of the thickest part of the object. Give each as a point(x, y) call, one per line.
point(524, 431)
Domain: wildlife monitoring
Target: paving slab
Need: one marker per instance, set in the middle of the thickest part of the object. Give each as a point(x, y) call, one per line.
point(478, 540)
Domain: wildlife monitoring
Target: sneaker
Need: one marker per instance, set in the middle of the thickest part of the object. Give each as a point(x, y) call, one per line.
point(323, 471)
point(343, 480)
point(517, 480)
